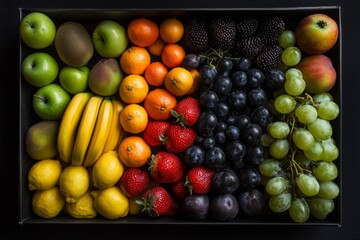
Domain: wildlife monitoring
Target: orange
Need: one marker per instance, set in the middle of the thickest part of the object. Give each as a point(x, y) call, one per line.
point(172, 55)
point(157, 47)
point(158, 104)
point(155, 73)
point(134, 151)
point(196, 81)
point(142, 32)
point(133, 89)
point(179, 81)
point(133, 118)
point(171, 30)
point(135, 60)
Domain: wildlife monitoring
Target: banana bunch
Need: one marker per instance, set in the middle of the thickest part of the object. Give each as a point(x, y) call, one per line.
point(90, 127)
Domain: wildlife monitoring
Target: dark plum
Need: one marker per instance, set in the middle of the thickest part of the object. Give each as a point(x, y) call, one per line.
point(249, 177)
point(225, 181)
point(208, 99)
point(256, 97)
point(215, 158)
point(194, 156)
point(220, 137)
point(243, 63)
point(206, 123)
point(209, 142)
point(224, 207)
point(251, 202)
point(238, 79)
point(251, 134)
point(255, 78)
point(191, 61)
point(255, 155)
point(237, 99)
point(222, 86)
point(208, 74)
point(242, 121)
point(235, 150)
point(196, 206)
point(232, 133)
point(261, 116)
point(222, 126)
point(274, 79)
point(224, 65)
point(222, 110)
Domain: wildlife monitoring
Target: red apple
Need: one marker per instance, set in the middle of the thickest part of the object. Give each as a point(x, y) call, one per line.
point(316, 33)
point(318, 73)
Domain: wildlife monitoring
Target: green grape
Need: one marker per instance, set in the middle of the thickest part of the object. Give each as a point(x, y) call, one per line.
point(287, 39)
point(325, 171)
point(284, 104)
point(279, 129)
point(291, 56)
point(328, 190)
point(328, 110)
point(280, 203)
point(315, 153)
point(266, 140)
point(299, 210)
point(321, 129)
point(279, 148)
point(302, 160)
point(306, 113)
point(270, 167)
point(307, 184)
point(293, 72)
point(303, 139)
point(322, 97)
point(330, 151)
point(294, 86)
point(320, 207)
point(276, 185)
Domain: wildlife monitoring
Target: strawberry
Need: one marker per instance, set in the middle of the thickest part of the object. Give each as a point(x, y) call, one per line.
point(187, 111)
point(177, 138)
point(134, 181)
point(166, 167)
point(199, 179)
point(157, 202)
point(153, 132)
point(179, 189)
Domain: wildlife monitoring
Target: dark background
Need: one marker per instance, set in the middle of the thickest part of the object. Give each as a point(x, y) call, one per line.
point(9, 65)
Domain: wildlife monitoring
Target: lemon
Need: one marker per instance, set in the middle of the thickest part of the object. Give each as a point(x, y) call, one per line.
point(111, 202)
point(74, 182)
point(107, 170)
point(44, 174)
point(47, 203)
point(82, 208)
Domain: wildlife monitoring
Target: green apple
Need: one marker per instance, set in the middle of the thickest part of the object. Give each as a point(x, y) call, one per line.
point(39, 69)
point(73, 79)
point(41, 140)
point(110, 39)
point(37, 30)
point(51, 101)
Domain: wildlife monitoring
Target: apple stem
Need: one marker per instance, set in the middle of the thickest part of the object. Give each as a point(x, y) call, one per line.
point(31, 25)
point(321, 23)
point(101, 39)
point(41, 98)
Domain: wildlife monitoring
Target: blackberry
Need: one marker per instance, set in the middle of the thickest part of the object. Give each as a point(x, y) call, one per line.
point(270, 29)
point(249, 47)
point(196, 37)
point(268, 59)
point(222, 33)
point(246, 27)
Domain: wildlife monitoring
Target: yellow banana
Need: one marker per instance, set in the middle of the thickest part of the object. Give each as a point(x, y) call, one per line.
point(86, 129)
point(69, 125)
point(100, 134)
point(113, 141)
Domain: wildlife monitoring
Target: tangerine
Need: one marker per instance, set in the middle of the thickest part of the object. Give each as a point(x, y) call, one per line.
point(134, 151)
point(172, 55)
point(158, 104)
point(155, 73)
point(135, 60)
point(179, 81)
point(133, 118)
point(133, 89)
point(171, 30)
point(196, 83)
point(142, 32)
point(157, 47)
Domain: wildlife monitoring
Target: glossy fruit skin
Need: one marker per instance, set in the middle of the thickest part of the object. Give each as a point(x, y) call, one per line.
point(194, 156)
point(225, 180)
point(156, 201)
point(134, 181)
point(179, 189)
point(178, 138)
point(224, 207)
point(178, 81)
point(199, 179)
point(215, 158)
point(196, 206)
point(251, 202)
point(166, 167)
point(134, 60)
point(187, 111)
point(316, 33)
point(208, 74)
point(142, 32)
point(154, 131)
point(206, 123)
point(209, 100)
point(158, 104)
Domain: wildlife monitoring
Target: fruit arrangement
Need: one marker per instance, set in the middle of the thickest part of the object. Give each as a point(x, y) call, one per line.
point(198, 118)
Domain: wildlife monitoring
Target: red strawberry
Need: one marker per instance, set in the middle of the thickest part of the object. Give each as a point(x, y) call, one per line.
point(187, 111)
point(153, 132)
point(199, 179)
point(178, 138)
point(166, 167)
point(134, 181)
point(156, 202)
point(179, 189)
